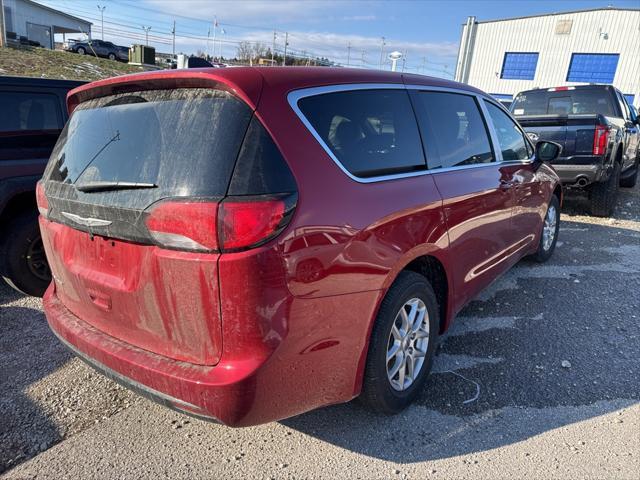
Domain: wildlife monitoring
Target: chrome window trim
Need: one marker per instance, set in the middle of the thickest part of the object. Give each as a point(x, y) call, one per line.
point(295, 96)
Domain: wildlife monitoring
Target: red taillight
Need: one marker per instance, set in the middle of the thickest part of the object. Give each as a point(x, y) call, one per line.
point(245, 223)
point(600, 140)
point(41, 199)
point(235, 224)
point(184, 225)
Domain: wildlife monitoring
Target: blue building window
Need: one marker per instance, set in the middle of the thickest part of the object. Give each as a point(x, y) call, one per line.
point(593, 67)
point(630, 98)
point(519, 66)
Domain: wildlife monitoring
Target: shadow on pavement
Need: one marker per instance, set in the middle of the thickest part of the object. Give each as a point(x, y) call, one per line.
point(547, 345)
point(29, 352)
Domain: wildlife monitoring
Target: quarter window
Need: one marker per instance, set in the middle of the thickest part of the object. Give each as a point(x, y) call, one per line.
point(510, 138)
point(370, 132)
point(453, 130)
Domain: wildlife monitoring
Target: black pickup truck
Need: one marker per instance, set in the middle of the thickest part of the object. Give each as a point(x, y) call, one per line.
point(598, 132)
point(33, 114)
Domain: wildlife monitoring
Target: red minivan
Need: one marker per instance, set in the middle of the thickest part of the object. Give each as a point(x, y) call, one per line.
point(247, 244)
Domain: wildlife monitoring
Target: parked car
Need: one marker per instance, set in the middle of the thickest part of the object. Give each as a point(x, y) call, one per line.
point(598, 132)
point(172, 247)
point(100, 48)
point(33, 114)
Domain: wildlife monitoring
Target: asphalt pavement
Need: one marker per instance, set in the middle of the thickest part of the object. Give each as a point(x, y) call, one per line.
point(539, 377)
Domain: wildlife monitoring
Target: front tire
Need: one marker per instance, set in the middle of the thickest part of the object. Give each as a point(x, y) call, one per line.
point(81, 51)
point(402, 345)
point(24, 265)
point(550, 230)
point(603, 195)
point(112, 56)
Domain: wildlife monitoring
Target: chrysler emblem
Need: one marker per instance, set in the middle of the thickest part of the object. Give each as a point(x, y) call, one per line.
point(87, 221)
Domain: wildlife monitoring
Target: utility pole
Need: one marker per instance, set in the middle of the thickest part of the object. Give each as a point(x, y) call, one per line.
point(362, 57)
point(381, 52)
point(348, 53)
point(215, 27)
point(273, 48)
point(173, 43)
point(3, 32)
point(146, 35)
point(286, 44)
point(208, 36)
point(101, 8)
point(404, 59)
point(424, 64)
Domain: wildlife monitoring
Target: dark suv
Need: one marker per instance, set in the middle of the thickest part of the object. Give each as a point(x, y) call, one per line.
point(33, 114)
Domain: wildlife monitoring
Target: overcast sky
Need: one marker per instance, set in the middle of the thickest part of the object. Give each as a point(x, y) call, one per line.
point(428, 31)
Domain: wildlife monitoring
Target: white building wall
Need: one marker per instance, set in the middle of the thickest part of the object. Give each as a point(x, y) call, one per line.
point(19, 13)
point(537, 34)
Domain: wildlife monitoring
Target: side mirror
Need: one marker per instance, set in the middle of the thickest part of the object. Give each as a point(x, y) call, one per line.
point(547, 151)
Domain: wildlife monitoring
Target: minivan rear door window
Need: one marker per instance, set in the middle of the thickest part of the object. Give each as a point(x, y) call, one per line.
point(370, 132)
point(453, 129)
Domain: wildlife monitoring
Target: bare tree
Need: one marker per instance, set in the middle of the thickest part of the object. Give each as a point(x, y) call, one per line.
point(245, 51)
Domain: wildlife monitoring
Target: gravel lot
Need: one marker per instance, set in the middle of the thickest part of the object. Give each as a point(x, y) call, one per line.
point(538, 378)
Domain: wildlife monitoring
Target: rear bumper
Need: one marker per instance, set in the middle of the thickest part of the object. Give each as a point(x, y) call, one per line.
point(216, 393)
point(579, 175)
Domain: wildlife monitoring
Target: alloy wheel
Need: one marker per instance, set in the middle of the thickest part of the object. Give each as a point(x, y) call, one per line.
point(408, 344)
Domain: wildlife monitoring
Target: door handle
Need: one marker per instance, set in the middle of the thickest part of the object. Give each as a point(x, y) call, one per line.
point(506, 185)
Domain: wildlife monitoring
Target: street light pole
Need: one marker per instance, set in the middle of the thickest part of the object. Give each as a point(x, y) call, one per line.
point(101, 8)
point(381, 52)
point(273, 48)
point(286, 44)
point(348, 53)
point(146, 35)
point(173, 43)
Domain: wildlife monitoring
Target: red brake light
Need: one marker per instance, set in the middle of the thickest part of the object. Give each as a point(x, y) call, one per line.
point(184, 225)
point(41, 199)
point(245, 223)
point(600, 140)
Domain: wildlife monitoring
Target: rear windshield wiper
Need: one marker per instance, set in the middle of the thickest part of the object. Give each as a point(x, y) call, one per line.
point(107, 186)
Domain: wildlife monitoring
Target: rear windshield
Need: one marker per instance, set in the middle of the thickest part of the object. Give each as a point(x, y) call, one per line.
point(567, 102)
point(184, 142)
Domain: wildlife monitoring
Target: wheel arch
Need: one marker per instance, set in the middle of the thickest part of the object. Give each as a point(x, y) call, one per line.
point(430, 262)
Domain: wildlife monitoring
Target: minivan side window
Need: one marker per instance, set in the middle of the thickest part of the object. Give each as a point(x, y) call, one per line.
point(453, 130)
point(370, 132)
point(511, 139)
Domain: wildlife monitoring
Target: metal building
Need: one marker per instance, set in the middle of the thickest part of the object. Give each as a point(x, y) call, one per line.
point(39, 23)
point(504, 57)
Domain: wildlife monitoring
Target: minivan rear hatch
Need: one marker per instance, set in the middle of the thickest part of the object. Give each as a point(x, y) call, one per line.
point(119, 158)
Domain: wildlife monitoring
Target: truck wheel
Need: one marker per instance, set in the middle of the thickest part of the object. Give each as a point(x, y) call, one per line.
point(630, 182)
point(112, 56)
point(81, 51)
point(402, 345)
point(603, 195)
point(550, 230)
point(24, 265)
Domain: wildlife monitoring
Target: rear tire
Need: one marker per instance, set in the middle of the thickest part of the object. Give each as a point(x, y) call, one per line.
point(603, 195)
point(630, 182)
point(112, 56)
point(381, 391)
point(24, 265)
point(550, 230)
